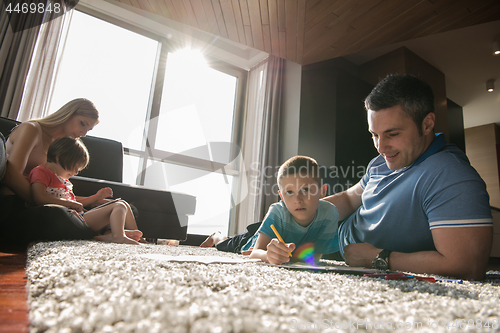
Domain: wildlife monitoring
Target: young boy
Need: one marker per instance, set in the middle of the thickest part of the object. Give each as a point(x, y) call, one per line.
point(66, 156)
point(301, 217)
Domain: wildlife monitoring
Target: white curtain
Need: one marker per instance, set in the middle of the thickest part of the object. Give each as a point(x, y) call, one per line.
point(17, 41)
point(260, 147)
point(43, 69)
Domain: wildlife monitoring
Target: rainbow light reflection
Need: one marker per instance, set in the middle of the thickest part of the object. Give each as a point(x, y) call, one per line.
point(306, 253)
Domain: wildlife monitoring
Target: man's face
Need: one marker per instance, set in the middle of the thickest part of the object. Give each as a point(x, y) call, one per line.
point(396, 136)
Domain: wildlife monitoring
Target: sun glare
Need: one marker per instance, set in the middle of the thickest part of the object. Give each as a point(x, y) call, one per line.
point(189, 59)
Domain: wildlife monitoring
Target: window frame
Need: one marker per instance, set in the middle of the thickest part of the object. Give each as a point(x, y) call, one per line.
point(148, 151)
point(156, 90)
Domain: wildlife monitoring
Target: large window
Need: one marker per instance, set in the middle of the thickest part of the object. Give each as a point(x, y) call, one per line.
point(176, 111)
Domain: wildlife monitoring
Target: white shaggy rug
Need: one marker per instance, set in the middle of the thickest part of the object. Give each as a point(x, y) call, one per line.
point(86, 286)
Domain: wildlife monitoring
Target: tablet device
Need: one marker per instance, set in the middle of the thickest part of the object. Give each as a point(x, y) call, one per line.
point(104, 204)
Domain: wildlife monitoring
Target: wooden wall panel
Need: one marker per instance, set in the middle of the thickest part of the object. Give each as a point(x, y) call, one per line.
point(481, 147)
point(403, 61)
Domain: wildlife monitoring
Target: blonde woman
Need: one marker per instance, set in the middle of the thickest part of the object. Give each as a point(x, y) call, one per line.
point(26, 147)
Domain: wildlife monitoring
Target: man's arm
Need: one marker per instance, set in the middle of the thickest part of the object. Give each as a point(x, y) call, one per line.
point(348, 201)
point(460, 252)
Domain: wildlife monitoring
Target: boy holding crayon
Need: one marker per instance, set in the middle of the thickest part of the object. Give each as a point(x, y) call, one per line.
point(300, 218)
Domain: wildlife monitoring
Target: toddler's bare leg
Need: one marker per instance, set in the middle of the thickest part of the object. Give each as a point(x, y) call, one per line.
point(114, 215)
point(117, 221)
point(130, 223)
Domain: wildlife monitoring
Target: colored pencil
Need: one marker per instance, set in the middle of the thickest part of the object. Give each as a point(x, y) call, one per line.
point(279, 237)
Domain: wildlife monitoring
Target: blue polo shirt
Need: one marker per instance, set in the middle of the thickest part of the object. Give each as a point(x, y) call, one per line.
point(401, 207)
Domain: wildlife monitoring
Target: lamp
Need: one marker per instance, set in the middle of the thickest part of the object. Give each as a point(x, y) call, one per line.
point(490, 85)
point(496, 45)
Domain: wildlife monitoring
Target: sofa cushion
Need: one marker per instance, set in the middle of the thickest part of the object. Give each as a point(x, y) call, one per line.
point(106, 159)
point(6, 125)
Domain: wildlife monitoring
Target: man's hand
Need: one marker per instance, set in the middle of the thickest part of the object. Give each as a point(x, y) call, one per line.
point(360, 254)
point(277, 252)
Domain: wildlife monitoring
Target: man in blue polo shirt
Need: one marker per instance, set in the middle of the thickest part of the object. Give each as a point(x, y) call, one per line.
point(420, 207)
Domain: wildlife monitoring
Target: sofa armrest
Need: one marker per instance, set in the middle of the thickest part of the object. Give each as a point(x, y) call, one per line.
point(161, 214)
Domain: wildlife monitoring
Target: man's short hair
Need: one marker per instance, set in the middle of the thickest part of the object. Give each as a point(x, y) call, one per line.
point(70, 153)
point(301, 165)
point(413, 95)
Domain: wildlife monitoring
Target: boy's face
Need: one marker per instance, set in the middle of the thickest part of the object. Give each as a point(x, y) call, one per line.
point(301, 195)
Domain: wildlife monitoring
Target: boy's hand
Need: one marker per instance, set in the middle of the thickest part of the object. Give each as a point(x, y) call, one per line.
point(103, 193)
point(277, 252)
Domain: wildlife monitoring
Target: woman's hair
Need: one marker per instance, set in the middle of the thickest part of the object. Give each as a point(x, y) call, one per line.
point(76, 107)
point(69, 153)
point(301, 165)
point(413, 95)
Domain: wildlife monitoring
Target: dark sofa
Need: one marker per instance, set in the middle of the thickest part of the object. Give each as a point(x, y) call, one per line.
point(160, 213)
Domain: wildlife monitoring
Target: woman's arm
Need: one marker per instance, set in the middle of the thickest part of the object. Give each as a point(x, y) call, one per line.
point(40, 197)
point(24, 138)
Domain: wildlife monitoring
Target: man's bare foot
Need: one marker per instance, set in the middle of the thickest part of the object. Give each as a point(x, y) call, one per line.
point(213, 239)
point(108, 238)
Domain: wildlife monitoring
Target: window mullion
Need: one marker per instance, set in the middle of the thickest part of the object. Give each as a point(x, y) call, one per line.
point(155, 103)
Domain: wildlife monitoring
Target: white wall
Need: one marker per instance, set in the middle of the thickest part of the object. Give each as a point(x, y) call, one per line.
point(290, 113)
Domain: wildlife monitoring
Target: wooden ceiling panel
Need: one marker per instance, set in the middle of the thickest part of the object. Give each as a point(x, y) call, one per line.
point(201, 15)
point(211, 17)
point(308, 31)
point(172, 13)
point(274, 27)
point(219, 17)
